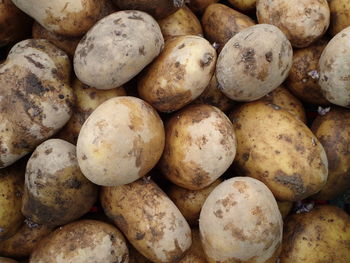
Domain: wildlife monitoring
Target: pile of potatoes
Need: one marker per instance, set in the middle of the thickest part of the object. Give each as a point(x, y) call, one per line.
point(174, 131)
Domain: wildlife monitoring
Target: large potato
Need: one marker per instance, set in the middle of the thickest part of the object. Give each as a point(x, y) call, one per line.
point(120, 142)
point(82, 242)
point(340, 14)
point(322, 235)
point(56, 192)
point(149, 219)
point(334, 69)
point(198, 6)
point(240, 222)
point(195, 253)
point(36, 100)
point(179, 75)
point(117, 48)
point(244, 5)
point(302, 21)
point(279, 150)
point(254, 62)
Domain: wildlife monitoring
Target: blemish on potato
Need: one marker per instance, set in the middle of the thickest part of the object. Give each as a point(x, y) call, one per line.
point(240, 186)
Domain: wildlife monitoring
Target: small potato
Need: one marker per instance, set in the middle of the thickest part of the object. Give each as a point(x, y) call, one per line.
point(285, 208)
point(244, 5)
point(179, 75)
point(82, 242)
point(340, 14)
point(240, 222)
point(195, 253)
point(254, 62)
point(302, 21)
point(56, 192)
point(149, 220)
point(199, 6)
point(7, 260)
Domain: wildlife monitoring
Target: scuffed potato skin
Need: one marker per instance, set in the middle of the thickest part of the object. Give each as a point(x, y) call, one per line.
point(36, 99)
point(80, 242)
point(154, 225)
point(244, 5)
point(199, 6)
point(195, 253)
point(7, 260)
point(340, 15)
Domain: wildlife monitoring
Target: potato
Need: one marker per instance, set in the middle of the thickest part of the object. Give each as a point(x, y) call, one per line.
point(340, 10)
point(179, 75)
point(334, 69)
point(7, 260)
point(303, 76)
point(195, 253)
point(136, 257)
point(221, 23)
point(87, 100)
point(285, 208)
point(322, 235)
point(199, 6)
point(254, 62)
point(302, 21)
point(114, 151)
point(240, 222)
point(275, 147)
point(133, 37)
point(200, 146)
point(36, 100)
point(190, 202)
point(154, 225)
point(333, 131)
point(243, 5)
point(182, 22)
point(81, 242)
point(56, 192)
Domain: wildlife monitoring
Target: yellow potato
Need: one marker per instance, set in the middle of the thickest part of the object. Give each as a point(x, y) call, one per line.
point(198, 6)
point(340, 14)
point(243, 5)
point(285, 208)
point(195, 253)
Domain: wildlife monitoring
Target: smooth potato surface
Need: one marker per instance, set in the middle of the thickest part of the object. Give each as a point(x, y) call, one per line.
point(340, 15)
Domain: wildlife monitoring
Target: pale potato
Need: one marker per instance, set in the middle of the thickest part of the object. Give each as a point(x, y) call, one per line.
point(340, 15)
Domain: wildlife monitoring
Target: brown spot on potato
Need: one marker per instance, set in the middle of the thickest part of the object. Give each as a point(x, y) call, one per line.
point(142, 51)
point(206, 60)
point(181, 46)
point(140, 236)
point(240, 186)
point(73, 183)
point(236, 232)
point(84, 157)
point(35, 63)
point(34, 85)
point(269, 56)
point(218, 213)
point(48, 151)
point(293, 182)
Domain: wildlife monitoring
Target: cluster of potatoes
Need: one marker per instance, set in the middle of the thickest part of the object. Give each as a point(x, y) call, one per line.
point(182, 122)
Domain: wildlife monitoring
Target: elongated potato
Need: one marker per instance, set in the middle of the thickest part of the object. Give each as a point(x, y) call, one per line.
point(195, 253)
point(154, 225)
point(340, 10)
point(199, 6)
point(244, 5)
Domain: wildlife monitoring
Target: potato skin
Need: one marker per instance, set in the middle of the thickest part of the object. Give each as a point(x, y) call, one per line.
point(254, 62)
point(340, 10)
point(82, 241)
point(333, 131)
point(7, 260)
point(155, 226)
point(199, 6)
point(322, 235)
point(195, 253)
point(302, 21)
point(244, 5)
point(275, 147)
point(240, 222)
point(285, 208)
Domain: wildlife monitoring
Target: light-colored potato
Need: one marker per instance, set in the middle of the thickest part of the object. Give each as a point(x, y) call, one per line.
point(334, 69)
point(278, 149)
point(195, 253)
point(340, 15)
point(7, 260)
point(36, 100)
point(302, 21)
point(149, 219)
point(240, 222)
point(254, 62)
point(82, 241)
point(244, 5)
point(179, 75)
point(285, 208)
point(56, 192)
point(114, 151)
point(199, 6)
point(117, 48)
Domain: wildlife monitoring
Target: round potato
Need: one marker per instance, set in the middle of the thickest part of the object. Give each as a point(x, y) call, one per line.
point(244, 5)
point(285, 208)
point(240, 222)
point(302, 21)
point(7, 260)
point(334, 68)
point(179, 75)
point(254, 62)
point(195, 253)
point(80, 242)
point(199, 6)
point(56, 192)
point(340, 10)
point(322, 235)
point(154, 225)
point(278, 149)
point(133, 37)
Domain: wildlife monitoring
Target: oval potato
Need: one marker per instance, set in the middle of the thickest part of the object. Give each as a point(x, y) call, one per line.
point(244, 5)
point(340, 10)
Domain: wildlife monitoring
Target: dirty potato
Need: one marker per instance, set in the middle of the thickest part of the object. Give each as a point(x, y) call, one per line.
point(278, 149)
point(179, 75)
point(302, 21)
point(199, 6)
point(7, 260)
point(285, 208)
point(240, 222)
point(244, 5)
point(136, 257)
point(254, 62)
point(154, 225)
point(340, 15)
point(195, 253)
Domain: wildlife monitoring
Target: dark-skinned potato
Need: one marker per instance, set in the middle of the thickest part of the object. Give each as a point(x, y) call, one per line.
point(179, 74)
point(56, 192)
point(285, 207)
point(278, 149)
point(7, 260)
point(195, 253)
point(302, 21)
point(333, 131)
point(244, 5)
point(154, 225)
point(133, 37)
point(199, 6)
point(36, 100)
point(81, 242)
point(254, 62)
point(334, 69)
point(182, 22)
point(200, 145)
point(340, 15)
point(303, 76)
point(240, 222)
point(322, 235)
point(221, 23)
